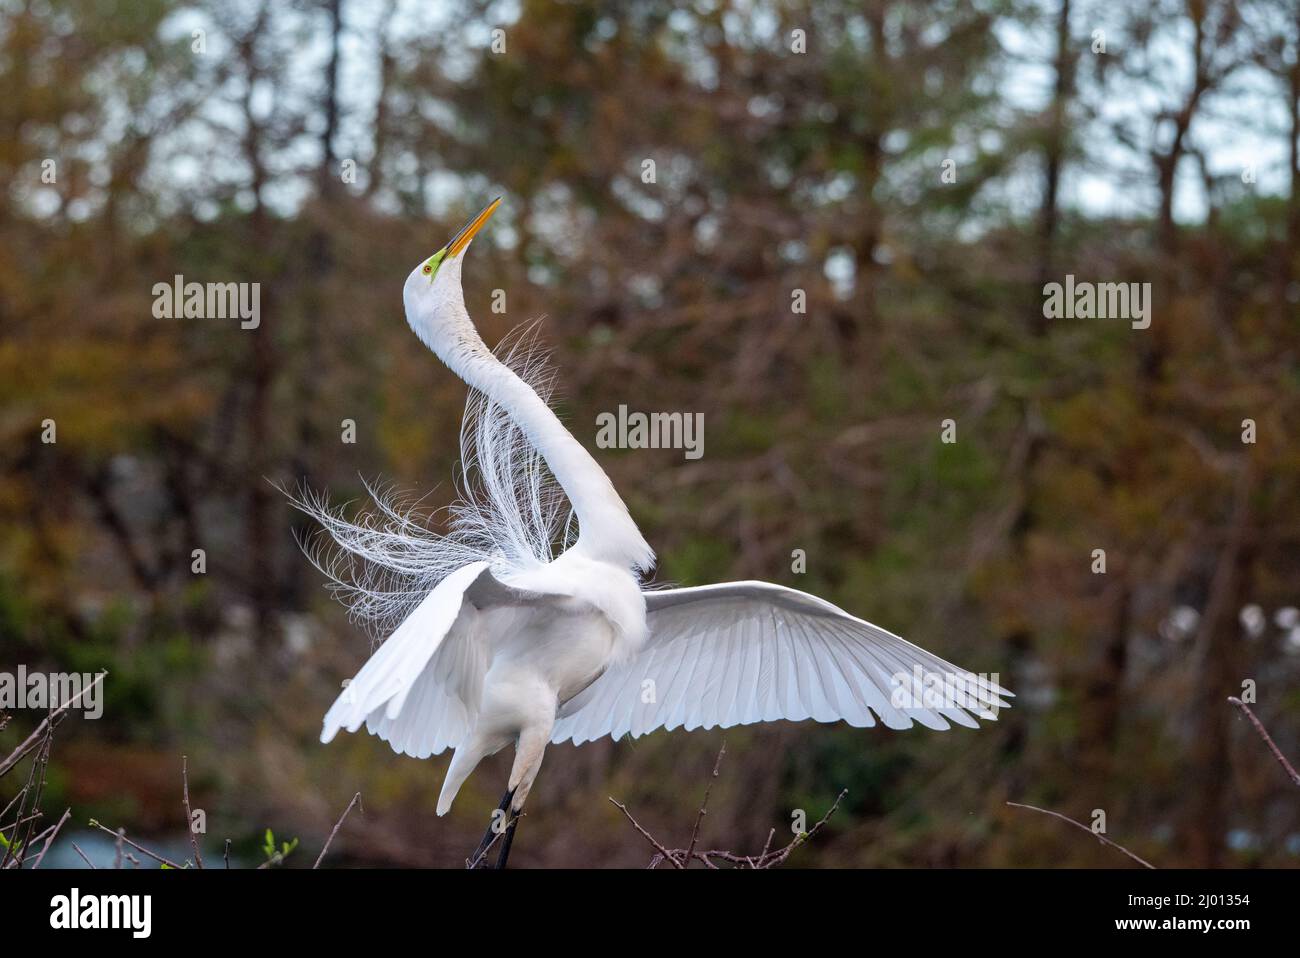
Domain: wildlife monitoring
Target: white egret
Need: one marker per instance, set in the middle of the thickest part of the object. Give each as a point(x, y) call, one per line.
point(499, 641)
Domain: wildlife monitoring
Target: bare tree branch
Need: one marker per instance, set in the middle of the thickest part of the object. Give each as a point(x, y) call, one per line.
point(682, 857)
point(32, 740)
point(28, 814)
point(1101, 838)
point(1268, 739)
point(77, 849)
point(648, 837)
point(67, 812)
point(699, 819)
point(121, 837)
point(189, 815)
point(481, 857)
point(337, 825)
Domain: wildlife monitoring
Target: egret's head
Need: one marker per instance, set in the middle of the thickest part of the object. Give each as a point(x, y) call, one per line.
point(432, 293)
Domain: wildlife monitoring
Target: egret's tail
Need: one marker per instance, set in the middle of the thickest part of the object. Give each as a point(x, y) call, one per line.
point(466, 759)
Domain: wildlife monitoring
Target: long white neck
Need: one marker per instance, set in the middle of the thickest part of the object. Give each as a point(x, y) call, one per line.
point(605, 528)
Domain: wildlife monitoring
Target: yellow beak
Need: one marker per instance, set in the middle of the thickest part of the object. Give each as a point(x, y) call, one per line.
point(461, 239)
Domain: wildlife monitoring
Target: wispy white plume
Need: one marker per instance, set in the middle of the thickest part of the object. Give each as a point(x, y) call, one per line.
point(510, 511)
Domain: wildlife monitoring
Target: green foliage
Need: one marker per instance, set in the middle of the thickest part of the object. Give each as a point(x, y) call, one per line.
point(276, 855)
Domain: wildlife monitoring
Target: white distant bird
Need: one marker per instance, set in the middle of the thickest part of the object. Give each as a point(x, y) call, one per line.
point(499, 641)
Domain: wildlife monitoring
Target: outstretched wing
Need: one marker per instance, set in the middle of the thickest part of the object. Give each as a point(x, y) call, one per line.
point(743, 652)
point(420, 690)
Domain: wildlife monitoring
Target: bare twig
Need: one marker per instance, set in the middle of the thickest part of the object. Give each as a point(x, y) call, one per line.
point(682, 857)
point(481, 857)
point(34, 739)
point(12, 802)
point(47, 834)
point(67, 812)
point(189, 815)
point(646, 835)
point(479, 860)
point(121, 837)
point(1268, 739)
point(1101, 838)
point(337, 825)
point(76, 848)
point(35, 816)
point(780, 855)
point(226, 855)
point(699, 819)
point(29, 814)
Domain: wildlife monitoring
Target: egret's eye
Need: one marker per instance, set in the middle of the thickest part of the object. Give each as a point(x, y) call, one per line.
point(428, 269)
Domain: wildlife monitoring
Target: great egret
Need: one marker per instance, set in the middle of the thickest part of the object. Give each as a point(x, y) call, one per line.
point(500, 641)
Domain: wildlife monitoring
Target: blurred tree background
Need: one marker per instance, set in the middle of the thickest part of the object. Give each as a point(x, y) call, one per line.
point(919, 170)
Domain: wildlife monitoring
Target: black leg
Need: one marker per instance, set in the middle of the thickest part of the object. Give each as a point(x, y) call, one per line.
point(492, 829)
point(507, 840)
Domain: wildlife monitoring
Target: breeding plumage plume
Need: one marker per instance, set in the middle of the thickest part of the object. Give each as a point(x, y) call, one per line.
point(526, 622)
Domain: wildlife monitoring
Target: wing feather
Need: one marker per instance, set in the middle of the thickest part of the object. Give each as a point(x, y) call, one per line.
point(420, 690)
point(745, 652)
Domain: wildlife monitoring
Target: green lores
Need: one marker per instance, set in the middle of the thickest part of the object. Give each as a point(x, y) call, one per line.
point(431, 267)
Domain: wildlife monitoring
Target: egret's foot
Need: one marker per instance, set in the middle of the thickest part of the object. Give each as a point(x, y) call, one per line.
point(478, 859)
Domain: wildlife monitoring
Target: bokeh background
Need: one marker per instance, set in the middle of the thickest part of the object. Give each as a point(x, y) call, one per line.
point(322, 148)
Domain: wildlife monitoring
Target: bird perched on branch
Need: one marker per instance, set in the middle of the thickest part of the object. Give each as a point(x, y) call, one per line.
point(527, 623)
